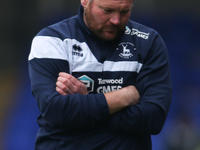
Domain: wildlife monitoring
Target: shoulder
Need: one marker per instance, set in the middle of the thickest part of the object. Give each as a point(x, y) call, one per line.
point(48, 43)
point(60, 29)
point(147, 40)
point(140, 30)
point(142, 34)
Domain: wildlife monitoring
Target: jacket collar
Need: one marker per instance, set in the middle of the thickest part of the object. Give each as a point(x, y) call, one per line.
point(81, 21)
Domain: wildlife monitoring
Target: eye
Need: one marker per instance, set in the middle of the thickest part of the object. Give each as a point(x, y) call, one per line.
point(107, 11)
point(124, 12)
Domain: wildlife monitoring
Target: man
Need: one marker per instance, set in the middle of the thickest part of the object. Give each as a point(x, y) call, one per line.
point(101, 81)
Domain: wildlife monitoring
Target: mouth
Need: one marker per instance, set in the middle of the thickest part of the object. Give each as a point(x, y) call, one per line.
point(111, 30)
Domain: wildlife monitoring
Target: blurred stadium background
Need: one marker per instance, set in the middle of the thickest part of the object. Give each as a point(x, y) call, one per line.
point(177, 21)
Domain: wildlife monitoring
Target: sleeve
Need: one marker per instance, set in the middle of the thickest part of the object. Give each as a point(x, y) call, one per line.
point(76, 111)
point(154, 85)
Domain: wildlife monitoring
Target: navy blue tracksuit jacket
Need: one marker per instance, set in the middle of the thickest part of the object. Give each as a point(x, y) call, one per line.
point(82, 122)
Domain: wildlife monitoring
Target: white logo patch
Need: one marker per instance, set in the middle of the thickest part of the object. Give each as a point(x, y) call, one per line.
point(126, 49)
point(114, 84)
point(136, 32)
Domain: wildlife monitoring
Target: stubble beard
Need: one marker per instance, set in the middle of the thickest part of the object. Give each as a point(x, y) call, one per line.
point(99, 33)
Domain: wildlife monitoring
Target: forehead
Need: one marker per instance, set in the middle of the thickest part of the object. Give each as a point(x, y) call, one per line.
point(114, 3)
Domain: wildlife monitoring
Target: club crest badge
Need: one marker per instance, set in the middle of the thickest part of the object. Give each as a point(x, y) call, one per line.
point(126, 48)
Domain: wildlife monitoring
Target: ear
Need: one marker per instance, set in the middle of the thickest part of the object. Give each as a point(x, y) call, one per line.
point(84, 2)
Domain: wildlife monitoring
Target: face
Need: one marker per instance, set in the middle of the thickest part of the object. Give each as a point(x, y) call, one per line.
point(106, 18)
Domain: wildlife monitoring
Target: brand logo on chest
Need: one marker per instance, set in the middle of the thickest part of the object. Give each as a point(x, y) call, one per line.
point(76, 50)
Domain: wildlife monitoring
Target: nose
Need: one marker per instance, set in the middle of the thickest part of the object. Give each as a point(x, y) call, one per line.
point(115, 19)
